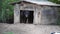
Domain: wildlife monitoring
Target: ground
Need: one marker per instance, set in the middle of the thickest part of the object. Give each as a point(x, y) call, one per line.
point(28, 29)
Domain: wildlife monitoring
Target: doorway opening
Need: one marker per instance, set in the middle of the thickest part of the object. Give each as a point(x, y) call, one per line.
point(26, 16)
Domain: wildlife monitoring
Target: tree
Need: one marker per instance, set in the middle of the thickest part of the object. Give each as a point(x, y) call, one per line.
point(55, 1)
point(7, 10)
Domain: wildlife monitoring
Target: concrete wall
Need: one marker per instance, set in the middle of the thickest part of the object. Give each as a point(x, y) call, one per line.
point(16, 14)
point(34, 8)
point(39, 16)
point(49, 15)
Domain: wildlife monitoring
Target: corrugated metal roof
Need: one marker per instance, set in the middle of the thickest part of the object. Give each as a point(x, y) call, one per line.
point(42, 2)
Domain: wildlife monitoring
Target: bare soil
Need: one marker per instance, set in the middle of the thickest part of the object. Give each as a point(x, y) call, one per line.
point(28, 28)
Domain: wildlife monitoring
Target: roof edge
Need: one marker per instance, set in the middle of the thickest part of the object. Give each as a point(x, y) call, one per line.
point(18, 2)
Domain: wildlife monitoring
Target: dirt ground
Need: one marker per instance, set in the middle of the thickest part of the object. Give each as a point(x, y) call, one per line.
point(28, 29)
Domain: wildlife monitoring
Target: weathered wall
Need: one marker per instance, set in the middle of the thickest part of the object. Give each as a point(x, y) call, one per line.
point(34, 8)
point(40, 13)
point(16, 14)
point(49, 15)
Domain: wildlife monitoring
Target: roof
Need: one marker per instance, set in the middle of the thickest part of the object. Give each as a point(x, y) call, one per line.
point(39, 2)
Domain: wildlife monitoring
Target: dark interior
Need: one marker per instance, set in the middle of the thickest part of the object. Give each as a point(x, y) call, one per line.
point(24, 19)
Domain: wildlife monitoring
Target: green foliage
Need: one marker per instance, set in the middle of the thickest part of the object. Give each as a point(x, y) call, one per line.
point(55, 1)
point(8, 33)
point(7, 10)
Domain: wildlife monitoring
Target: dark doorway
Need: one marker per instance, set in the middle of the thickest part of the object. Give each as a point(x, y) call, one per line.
point(26, 16)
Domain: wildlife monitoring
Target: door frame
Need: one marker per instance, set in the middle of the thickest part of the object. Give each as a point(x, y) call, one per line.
point(33, 14)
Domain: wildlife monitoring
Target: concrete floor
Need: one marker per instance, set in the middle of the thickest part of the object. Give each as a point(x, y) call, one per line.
point(28, 29)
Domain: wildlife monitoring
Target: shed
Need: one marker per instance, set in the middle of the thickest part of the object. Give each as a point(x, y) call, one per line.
point(40, 12)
